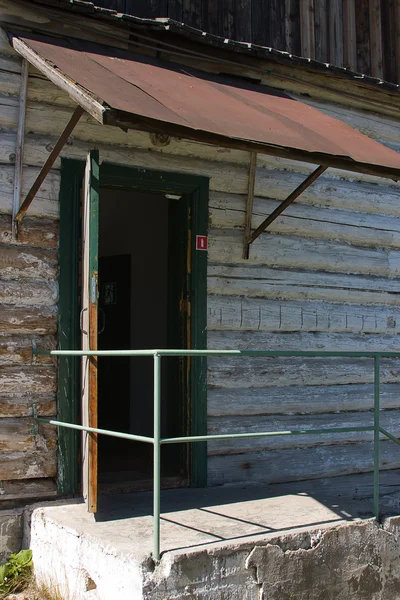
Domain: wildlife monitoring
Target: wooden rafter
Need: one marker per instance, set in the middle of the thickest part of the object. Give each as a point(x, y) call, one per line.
point(249, 203)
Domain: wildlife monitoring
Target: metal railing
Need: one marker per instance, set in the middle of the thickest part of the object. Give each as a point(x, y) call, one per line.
point(157, 441)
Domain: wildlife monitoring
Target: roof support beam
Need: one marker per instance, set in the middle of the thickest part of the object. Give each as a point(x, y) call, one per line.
point(19, 151)
point(291, 198)
point(249, 203)
point(48, 164)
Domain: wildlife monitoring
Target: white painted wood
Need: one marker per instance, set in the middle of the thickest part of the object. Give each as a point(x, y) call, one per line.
point(390, 420)
point(19, 151)
point(84, 326)
point(296, 464)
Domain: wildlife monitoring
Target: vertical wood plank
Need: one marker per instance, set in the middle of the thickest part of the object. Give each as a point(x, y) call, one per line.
point(175, 10)
point(362, 36)
point(397, 38)
point(192, 13)
point(389, 40)
point(277, 24)
point(19, 150)
point(375, 32)
point(122, 6)
point(292, 29)
point(259, 22)
point(307, 28)
point(243, 20)
point(321, 31)
point(336, 32)
point(349, 34)
point(227, 18)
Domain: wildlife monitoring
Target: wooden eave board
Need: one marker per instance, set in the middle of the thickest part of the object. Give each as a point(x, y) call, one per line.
point(128, 90)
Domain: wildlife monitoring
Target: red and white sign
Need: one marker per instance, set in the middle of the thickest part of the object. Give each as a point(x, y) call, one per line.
point(201, 242)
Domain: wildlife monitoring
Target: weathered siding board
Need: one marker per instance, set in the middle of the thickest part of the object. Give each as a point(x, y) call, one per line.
point(300, 253)
point(28, 465)
point(254, 314)
point(21, 435)
point(33, 379)
point(390, 420)
point(255, 372)
point(300, 463)
point(21, 405)
point(310, 399)
point(18, 349)
point(17, 489)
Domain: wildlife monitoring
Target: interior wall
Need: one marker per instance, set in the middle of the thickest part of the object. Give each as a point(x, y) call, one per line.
point(137, 224)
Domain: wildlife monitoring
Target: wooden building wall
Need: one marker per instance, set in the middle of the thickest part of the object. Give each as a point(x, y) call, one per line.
point(363, 35)
point(325, 277)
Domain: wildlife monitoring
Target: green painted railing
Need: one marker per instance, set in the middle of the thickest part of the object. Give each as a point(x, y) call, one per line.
point(158, 441)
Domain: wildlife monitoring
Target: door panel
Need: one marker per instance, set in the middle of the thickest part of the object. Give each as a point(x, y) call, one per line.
point(89, 317)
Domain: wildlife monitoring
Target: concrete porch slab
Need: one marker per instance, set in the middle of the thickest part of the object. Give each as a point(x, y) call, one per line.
point(213, 540)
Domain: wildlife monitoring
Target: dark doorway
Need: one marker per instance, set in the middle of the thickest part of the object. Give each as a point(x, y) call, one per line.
point(140, 307)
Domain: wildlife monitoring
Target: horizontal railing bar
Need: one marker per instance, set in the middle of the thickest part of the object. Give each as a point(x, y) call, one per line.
point(260, 353)
point(389, 435)
point(117, 434)
point(204, 438)
point(230, 436)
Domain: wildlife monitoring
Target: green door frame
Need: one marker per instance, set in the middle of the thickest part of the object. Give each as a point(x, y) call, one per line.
point(141, 180)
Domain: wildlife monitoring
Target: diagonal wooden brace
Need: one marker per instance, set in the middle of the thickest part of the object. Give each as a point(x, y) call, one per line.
point(48, 164)
point(291, 198)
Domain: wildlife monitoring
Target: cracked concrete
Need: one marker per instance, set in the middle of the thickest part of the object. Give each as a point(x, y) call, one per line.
point(219, 544)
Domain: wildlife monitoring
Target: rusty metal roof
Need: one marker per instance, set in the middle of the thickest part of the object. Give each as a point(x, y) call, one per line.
point(144, 93)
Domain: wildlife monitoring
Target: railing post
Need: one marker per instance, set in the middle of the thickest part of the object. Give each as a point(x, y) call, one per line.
point(377, 364)
point(157, 456)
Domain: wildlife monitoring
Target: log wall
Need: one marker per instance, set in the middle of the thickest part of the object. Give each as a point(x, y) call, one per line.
point(326, 276)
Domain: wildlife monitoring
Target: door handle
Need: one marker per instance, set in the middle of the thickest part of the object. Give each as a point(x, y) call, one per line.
point(81, 321)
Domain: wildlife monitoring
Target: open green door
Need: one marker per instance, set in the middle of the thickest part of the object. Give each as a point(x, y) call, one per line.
point(89, 311)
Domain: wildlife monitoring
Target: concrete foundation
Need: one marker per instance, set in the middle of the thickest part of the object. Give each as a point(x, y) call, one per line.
point(11, 529)
point(220, 544)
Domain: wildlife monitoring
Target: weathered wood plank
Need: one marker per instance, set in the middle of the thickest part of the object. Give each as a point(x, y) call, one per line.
point(253, 314)
point(298, 341)
point(28, 263)
point(390, 420)
point(17, 320)
point(349, 34)
point(27, 488)
point(281, 277)
point(228, 211)
point(46, 201)
point(244, 372)
point(28, 293)
point(20, 435)
point(274, 290)
point(362, 35)
point(292, 31)
point(18, 349)
point(34, 380)
point(41, 233)
point(312, 399)
point(28, 465)
point(295, 465)
point(375, 33)
point(20, 405)
point(321, 30)
point(336, 32)
point(299, 253)
point(233, 313)
point(307, 28)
